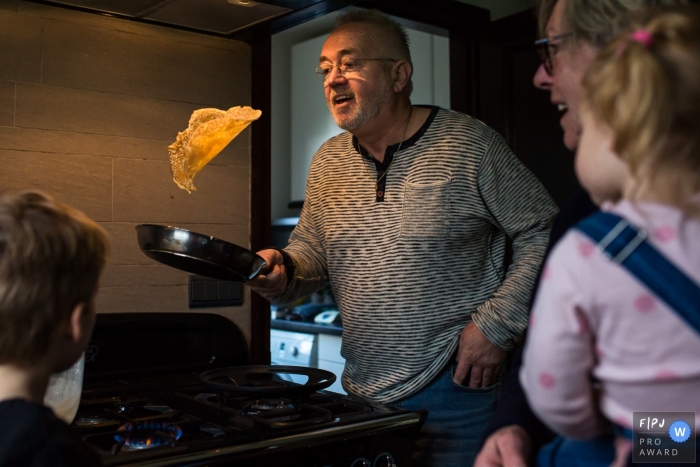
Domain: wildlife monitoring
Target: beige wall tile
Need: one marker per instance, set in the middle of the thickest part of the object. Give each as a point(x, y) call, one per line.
point(8, 5)
point(119, 275)
point(7, 103)
point(82, 181)
point(140, 65)
point(20, 47)
point(163, 300)
point(97, 136)
point(142, 299)
point(125, 249)
point(119, 24)
point(76, 110)
point(152, 299)
point(65, 142)
point(124, 246)
point(145, 192)
point(234, 155)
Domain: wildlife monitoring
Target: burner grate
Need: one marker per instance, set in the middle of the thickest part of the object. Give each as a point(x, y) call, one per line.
point(299, 415)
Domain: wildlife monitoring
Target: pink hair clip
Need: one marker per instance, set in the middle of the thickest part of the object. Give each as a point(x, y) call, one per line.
point(644, 37)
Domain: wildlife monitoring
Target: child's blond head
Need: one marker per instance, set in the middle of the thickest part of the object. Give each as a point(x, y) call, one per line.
point(51, 258)
point(645, 86)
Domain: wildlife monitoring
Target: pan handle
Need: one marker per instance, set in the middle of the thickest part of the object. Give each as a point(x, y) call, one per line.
point(264, 269)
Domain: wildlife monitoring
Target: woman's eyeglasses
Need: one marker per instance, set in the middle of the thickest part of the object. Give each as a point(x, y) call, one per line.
point(548, 48)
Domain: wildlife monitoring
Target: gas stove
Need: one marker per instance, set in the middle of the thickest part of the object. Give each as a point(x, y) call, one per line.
point(144, 404)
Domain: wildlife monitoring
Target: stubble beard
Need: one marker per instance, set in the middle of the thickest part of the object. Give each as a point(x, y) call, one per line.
point(364, 111)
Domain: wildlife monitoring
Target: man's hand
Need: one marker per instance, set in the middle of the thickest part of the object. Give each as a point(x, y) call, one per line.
point(508, 447)
point(274, 281)
point(478, 358)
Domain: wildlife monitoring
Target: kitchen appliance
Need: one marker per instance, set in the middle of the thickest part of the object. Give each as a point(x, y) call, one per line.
point(198, 254)
point(145, 404)
point(327, 317)
point(293, 348)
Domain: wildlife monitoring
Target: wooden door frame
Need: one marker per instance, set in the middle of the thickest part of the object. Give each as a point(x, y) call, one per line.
point(260, 193)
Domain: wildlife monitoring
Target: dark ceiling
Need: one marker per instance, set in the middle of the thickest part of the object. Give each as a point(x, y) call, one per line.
point(235, 18)
point(223, 17)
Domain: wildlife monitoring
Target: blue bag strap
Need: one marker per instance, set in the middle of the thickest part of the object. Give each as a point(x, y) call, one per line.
point(625, 244)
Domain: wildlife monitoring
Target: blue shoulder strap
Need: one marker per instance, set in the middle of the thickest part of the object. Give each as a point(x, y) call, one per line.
point(625, 244)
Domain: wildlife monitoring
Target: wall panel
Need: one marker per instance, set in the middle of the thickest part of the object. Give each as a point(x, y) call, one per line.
point(84, 182)
point(20, 47)
point(7, 103)
point(88, 106)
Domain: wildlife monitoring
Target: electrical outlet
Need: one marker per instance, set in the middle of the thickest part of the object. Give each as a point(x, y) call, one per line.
point(206, 292)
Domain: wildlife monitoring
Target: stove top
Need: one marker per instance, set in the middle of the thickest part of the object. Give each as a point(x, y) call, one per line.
point(174, 418)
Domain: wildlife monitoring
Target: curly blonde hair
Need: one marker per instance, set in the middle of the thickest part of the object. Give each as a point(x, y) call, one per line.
point(51, 258)
point(648, 93)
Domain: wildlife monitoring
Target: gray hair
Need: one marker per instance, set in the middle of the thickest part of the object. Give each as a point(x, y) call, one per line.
point(595, 22)
point(397, 45)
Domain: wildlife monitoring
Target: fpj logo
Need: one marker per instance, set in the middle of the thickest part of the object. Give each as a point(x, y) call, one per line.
point(664, 437)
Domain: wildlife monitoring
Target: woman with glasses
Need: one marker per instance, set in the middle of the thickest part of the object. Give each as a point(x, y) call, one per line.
point(573, 32)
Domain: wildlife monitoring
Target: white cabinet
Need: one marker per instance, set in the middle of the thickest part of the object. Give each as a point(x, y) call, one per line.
point(329, 359)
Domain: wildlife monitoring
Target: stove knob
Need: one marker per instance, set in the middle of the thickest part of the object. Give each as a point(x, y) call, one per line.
point(361, 462)
point(384, 460)
point(295, 352)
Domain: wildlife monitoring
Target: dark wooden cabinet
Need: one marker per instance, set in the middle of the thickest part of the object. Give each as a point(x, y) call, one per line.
point(523, 114)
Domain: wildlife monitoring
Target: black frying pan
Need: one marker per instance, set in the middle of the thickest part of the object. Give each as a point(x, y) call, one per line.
point(199, 254)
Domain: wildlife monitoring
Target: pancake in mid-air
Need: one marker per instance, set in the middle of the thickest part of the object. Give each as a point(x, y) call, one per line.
point(208, 133)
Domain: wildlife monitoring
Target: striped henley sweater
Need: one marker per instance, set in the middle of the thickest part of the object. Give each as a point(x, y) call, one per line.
point(409, 273)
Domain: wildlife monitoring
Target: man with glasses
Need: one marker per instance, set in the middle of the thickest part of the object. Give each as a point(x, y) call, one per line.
point(407, 214)
point(574, 31)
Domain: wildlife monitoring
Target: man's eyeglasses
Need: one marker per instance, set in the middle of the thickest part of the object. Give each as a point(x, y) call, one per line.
point(548, 48)
point(348, 66)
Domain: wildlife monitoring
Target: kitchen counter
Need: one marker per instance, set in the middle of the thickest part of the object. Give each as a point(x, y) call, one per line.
point(306, 327)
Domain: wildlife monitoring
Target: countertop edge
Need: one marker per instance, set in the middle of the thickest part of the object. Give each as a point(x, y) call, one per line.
point(309, 328)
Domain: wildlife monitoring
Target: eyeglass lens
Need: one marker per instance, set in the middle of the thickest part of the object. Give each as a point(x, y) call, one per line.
point(548, 48)
point(544, 54)
point(324, 72)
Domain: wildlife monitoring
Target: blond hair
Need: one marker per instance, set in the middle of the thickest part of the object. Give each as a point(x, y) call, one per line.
point(648, 93)
point(51, 258)
point(594, 22)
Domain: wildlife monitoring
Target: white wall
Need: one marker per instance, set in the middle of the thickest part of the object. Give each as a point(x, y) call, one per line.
point(282, 107)
point(311, 122)
point(301, 120)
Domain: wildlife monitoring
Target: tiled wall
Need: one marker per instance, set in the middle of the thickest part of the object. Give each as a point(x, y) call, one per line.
point(88, 106)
